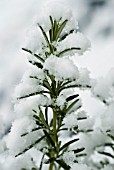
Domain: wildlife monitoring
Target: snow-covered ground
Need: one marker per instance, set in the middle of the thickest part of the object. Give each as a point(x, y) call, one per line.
point(95, 20)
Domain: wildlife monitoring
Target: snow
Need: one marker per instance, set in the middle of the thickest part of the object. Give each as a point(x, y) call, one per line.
point(77, 40)
point(102, 46)
point(69, 157)
point(70, 121)
point(15, 143)
point(76, 106)
point(24, 107)
point(92, 141)
point(25, 89)
point(61, 101)
point(61, 68)
point(2, 145)
point(104, 87)
point(108, 167)
point(34, 39)
point(80, 167)
point(33, 71)
point(84, 77)
point(81, 114)
point(30, 85)
point(35, 154)
point(56, 10)
point(2, 128)
point(18, 163)
point(86, 124)
point(107, 119)
point(98, 61)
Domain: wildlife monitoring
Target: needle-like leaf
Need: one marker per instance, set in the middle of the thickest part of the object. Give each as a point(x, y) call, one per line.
point(68, 143)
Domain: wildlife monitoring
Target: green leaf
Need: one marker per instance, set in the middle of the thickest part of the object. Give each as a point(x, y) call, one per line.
point(50, 160)
point(44, 34)
point(51, 123)
point(66, 83)
point(61, 29)
point(49, 138)
point(46, 38)
point(81, 118)
point(41, 116)
point(55, 30)
point(33, 130)
point(33, 77)
point(36, 55)
point(110, 145)
point(65, 35)
point(67, 50)
point(47, 85)
point(75, 86)
point(66, 129)
point(111, 136)
point(41, 163)
point(36, 117)
point(67, 87)
point(34, 111)
point(46, 114)
point(39, 65)
point(78, 150)
point(32, 94)
point(106, 154)
point(81, 155)
point(68, 143)
point(85, 131)
point(38, 121)
point(50, 35)
point(63, 164)
point(51, 20)
point(53, 86)
point(31, 146)
point(71, 105)
point(62, 86)
point(72, 97)
point(51, 31)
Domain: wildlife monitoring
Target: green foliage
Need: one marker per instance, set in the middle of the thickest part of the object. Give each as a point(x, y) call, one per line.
point(51, 129)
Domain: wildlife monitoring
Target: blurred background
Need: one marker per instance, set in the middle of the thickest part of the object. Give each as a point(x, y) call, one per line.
point(96, 21)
